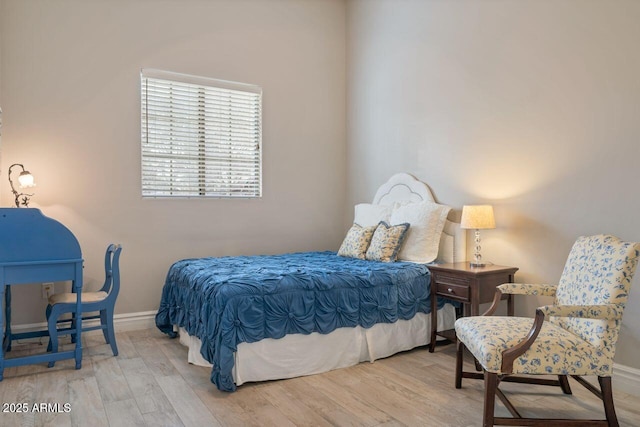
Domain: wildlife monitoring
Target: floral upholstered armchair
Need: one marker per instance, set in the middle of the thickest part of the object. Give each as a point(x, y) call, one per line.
point(574, 336)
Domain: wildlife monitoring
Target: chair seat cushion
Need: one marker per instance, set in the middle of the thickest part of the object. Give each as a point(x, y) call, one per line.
point(555, 351)
point(64, 298)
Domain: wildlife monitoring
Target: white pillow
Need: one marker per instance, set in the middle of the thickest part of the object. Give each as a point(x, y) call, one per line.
point(423, 237)
point(367, 214)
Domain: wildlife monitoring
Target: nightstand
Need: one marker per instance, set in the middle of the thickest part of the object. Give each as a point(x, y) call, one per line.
point(471, 286)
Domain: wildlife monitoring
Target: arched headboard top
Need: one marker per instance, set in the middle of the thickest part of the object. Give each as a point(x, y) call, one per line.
point(402, 187)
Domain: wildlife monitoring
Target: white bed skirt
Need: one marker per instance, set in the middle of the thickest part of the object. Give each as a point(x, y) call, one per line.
point(298, 355)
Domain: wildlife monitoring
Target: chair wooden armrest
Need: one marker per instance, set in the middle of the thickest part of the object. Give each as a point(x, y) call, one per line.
point(519, 289)
point(511, 354)
point(600, 311)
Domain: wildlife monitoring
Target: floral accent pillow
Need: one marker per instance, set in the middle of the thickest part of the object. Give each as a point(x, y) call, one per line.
point(357, 241)
point(386, 242)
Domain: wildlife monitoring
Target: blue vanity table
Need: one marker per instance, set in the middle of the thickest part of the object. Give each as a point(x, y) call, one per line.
point(36, 249)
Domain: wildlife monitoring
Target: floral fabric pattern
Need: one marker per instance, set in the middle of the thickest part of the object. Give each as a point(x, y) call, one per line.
point(386, 242)
point(555, 351)
point(528, 289)
point(599, 271)
point(603, 311)
point(581, 328)
point(357, 241)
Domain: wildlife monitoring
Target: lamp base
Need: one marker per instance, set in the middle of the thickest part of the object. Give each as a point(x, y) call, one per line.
point(477, 258)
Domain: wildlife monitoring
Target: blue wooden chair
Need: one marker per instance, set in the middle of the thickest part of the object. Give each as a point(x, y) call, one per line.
point(102, 301)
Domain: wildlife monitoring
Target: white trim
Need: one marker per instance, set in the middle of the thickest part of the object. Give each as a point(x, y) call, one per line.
point(134, 321)
point(121, 322)
point(626, 379)
point(198, 80)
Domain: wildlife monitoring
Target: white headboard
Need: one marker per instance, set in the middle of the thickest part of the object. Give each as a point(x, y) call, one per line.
point(404, 188)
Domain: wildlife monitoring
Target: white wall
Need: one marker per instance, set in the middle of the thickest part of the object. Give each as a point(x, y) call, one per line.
point(530, 106)
point(71, 101)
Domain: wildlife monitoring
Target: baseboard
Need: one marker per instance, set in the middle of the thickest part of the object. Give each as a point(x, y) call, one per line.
point(626, 379)
point(121, 322)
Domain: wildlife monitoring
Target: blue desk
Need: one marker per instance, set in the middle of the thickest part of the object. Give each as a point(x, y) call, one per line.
point(36, 249)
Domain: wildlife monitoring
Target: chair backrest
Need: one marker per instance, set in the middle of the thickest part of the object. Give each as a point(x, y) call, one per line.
point(112, 271)
point(599, 270)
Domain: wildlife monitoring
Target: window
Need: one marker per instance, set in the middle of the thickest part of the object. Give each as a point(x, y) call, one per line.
point(200, 137)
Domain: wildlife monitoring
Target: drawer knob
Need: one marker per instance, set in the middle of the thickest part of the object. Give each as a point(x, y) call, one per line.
point(450, 290)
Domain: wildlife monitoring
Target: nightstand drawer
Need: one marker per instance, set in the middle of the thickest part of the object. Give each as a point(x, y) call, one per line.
point(460, 292)
point(446, 279)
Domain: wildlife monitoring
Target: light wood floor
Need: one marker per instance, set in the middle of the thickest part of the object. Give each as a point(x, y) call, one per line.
point(151, 384)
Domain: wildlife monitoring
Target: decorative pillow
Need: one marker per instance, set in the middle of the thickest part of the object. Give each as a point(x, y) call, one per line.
point(386, 242)
point(423, 238)
point(357, 241)
point(367, 214)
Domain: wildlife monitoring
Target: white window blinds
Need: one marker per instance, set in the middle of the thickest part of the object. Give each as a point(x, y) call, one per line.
point(200, 137)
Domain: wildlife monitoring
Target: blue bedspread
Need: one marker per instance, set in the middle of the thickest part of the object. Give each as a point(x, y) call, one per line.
point(229, 300)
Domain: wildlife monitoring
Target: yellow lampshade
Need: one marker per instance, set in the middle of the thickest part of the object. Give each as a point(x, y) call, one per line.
point(477, 217)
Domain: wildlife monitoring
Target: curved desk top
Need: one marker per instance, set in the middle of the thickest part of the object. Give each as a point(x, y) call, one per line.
point(26, 235)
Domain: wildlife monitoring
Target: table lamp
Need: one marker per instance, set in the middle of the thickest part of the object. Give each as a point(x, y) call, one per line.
point(477, 217)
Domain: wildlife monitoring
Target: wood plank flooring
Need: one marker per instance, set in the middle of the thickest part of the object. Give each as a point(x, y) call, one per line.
point(151, 384)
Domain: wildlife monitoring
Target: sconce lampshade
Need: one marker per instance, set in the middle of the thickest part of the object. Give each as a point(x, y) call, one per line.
point(26, 179)
point(477, 217)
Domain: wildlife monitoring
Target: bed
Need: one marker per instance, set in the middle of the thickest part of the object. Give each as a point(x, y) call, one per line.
point(261, 318)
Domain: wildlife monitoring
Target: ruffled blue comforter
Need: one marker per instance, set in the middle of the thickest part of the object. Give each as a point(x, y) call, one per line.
point(229, 300)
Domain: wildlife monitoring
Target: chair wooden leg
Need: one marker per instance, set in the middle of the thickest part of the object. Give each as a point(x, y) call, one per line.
point(459, 360)
point(48, 314)
point(52, 322)
point(73, 326)
point(607, 399)
point(564, 384)
point(490, 386)
point(477, 364)
point(105, 326)
point(7, 318)
point(110, 330)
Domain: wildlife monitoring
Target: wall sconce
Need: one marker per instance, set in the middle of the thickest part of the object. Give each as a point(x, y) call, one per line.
point(26, 181)
point(477, 217)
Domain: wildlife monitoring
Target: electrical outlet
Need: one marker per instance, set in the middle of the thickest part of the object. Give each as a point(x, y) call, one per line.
point(47, 290)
